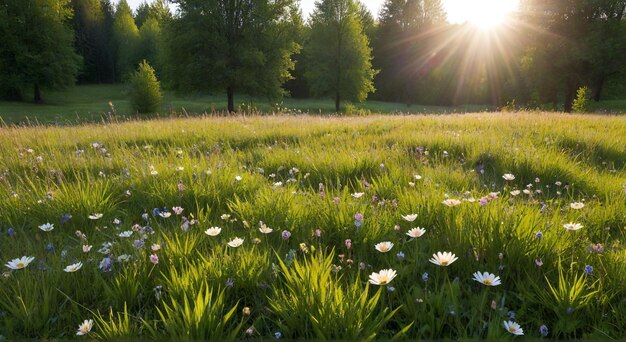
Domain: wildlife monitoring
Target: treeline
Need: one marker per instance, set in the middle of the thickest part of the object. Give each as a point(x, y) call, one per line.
point(409, 54)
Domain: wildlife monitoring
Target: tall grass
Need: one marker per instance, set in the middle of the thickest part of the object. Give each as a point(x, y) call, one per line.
point(329, 189)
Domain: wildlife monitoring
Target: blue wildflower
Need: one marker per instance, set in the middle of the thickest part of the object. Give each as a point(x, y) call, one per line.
point(11, 232)
point(543, 330)
point(588, 269)
point(425, 276)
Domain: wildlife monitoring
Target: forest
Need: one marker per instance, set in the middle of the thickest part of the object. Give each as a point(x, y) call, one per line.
point(545, 54)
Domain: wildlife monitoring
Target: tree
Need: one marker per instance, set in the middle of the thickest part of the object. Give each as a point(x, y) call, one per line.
point(37, 46)
point(92, 41)
point(149, 41)
point(158, 11)
point(338, 55)
point(145, 90)
point(232, 45)
point(126, 38)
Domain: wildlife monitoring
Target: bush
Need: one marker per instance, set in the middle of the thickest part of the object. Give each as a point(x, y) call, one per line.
point(145, 90)
point(581, 103)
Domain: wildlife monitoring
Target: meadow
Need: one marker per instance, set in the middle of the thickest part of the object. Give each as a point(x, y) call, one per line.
point(313, 227)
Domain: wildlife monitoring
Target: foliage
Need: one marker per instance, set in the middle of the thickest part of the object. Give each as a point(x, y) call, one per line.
point(339, 58)
point(126, 39)
point(582, 100)
point(145, 90)
point(237, 46)
point(37, 47)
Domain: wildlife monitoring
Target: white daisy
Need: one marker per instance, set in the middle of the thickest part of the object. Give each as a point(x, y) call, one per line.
point(236, 242)
point(19, 263)
point(416, 232)
point(513, 328)
point(384, 247)
point(383, 277)
point(486, 278)
point(213, 231)
point(73, 267)
point(443, 259)
point(410, 217)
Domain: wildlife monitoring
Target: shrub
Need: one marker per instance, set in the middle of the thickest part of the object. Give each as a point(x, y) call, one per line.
point(581, 103)
point(145, 90)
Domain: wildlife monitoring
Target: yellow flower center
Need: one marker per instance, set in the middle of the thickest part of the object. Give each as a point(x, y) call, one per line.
point(512, 329)
point(383, 280)
point(20, 265)
point(383, 248)
point(444, 262)
point(487, 281)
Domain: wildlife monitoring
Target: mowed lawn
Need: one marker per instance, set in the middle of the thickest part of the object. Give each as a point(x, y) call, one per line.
point(315, 227)
point(94, 103)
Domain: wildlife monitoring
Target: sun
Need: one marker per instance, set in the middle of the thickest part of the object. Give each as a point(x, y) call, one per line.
point(485, 14)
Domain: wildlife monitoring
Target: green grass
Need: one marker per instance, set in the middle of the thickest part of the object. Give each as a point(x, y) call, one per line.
point(302, 174)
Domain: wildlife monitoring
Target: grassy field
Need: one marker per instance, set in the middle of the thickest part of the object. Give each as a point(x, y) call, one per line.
point(313, 198)
point(90, 103)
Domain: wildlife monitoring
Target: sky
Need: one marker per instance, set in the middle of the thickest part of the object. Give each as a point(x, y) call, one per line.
point(457, 9)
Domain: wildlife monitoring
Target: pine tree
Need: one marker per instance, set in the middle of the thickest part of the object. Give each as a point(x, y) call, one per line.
point(338, 56)
point(126, 40)
point(145, 90)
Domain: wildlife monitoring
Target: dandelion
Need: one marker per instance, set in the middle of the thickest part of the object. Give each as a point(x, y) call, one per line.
point(451, 202)
point(486, 278)
point(416, 232)
point(384, 247)
point(236, 242)
point(154, 259)
point(572, 226)
point(19, 263)
point(95, 216)
point(383, 277)
point(73, 267)
point(410, 217)
point(357, 194)
point(47, 227)
point(513, 328)
point(443, 259)
point(85, 327)
point(508, 177)
point(577, 205)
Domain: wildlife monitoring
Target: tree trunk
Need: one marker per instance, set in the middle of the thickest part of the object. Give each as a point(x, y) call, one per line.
point(337, 102)
point(230, 92)
point(37, 98)
point(597, 91)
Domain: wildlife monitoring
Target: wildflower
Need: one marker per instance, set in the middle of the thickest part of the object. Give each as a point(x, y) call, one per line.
point(537, 180)
point(425, 277)
point(357, 194)
point(588, 269)
point(538, 262)
point(410, 217)
point(577, 205)
point(543, 330)
point(73, 267)
point(154, 259)
point(486, 278)
point(47, 227)
point(443, 259)
point(157, 292)
point(165, 214)
point(400, 256)
point(451, 202)
point(508, 177)
point(250, 331)
point(87, 248)
point(515, 192)
point(155, 247)
point(391, 288)
point(383, 277)
point(358, 220)
point(181, 186)
point(285, 234)
point(96, 216)
point(50, 247)
point(225, 217)
point(336, 200)
point(417, 177)
point(598, 248)
point(238, 178)
point(85, 327)
point(416, 232)
point(384, 247)
point(263, 228)
point(177, 210)
point(513, 328)
point(11, 232)
point(65, 218)
point(19, 263)
point(139, 243)
point(105, 265)
point(348, 243)
point(278, 335)
point(236, 242)
point(125, 234)
point(572, 226)
point(123, 258)
point(213, 231)
point(538, 235)
point(318, 232)
point(230, 282)
point(246, 311)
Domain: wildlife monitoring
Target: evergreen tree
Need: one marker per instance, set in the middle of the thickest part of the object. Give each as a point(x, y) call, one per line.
point(338, 53)
point(149, 42)
point(145, 90)
point(37, 47)
point(126, 40)
point(232, 45)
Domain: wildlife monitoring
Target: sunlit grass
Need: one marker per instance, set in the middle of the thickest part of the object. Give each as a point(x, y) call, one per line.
point(316, 182)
